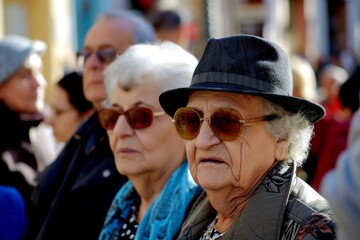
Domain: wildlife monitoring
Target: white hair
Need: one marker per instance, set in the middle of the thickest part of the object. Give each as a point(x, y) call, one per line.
point(169, 64)
point(294, 127)
point(337, 73)
point(304, 78)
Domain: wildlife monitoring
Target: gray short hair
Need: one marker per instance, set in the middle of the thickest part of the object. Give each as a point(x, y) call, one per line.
point(143, 31)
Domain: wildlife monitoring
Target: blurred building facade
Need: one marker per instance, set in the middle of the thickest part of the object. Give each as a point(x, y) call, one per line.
point(321, 30)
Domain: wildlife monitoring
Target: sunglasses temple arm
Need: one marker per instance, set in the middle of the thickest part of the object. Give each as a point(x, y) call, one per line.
point(259, 119)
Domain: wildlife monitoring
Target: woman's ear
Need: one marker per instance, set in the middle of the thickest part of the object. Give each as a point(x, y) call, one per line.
point(281, 148)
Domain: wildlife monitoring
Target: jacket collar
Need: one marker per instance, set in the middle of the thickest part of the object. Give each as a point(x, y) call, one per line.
point(271, 197)
point(91, 132)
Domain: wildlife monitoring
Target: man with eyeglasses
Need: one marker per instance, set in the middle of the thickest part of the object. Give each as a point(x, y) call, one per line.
point(75, 192)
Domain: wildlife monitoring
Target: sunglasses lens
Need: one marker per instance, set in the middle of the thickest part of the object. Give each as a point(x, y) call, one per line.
point(139, 117)
point(187, 123)
point(85, 55)
point(106, 55)
point(108, 118)
point(225, 124)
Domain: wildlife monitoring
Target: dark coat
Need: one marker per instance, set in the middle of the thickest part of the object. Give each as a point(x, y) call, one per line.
point(76, 190)
point(282, 207)
point(18, 165)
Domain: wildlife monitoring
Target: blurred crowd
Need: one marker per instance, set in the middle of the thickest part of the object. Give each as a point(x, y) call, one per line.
point(337, 90)
point(59, 174)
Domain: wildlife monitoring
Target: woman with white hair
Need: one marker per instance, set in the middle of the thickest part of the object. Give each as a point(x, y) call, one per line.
point(146, 147)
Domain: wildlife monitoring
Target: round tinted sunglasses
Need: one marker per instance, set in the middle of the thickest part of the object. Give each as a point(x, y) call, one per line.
point(104, 55)
point(137, 117)
point(225, 123)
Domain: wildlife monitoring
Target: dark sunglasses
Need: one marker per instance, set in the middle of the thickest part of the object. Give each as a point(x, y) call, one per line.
point(225, 123)
point(104, 55)
point(137, 117)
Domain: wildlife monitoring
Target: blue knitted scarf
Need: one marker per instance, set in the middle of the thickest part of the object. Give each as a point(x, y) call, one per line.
point(165, 215)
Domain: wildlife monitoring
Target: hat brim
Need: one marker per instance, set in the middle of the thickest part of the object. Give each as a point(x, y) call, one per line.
point(174, 99)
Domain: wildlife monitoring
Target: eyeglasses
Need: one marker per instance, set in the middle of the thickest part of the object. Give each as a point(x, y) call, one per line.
point(137, 117)
point(225, 123)
point(104, 55)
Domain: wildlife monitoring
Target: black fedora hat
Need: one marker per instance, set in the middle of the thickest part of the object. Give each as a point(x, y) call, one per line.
point(244, 64)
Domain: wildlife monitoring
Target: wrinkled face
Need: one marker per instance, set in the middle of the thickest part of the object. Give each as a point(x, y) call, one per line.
point(24, 91)
point(156, 150)
point(106, 34)
point(239, 164)
point(65, 119)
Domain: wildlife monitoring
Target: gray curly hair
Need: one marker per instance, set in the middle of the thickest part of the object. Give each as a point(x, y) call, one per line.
point(294, 127)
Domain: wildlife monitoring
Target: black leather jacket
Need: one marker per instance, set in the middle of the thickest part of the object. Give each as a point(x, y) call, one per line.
point(282, 207)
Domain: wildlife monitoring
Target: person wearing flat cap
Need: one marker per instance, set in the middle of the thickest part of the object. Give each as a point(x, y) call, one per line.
point(22, 88)
point(244, 135)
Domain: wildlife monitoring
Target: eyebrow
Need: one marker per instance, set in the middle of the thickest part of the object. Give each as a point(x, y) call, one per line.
point(134, 105)
point(104, 46)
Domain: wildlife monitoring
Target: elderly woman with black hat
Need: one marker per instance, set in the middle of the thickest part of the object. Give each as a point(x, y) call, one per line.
point(147, 149)
point(245, 134)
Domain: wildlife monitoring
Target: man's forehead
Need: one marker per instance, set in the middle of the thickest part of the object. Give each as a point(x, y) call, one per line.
point(112, 26)
point(109, 32)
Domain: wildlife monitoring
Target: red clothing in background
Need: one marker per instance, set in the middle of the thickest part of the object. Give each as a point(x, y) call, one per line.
point(335, 141)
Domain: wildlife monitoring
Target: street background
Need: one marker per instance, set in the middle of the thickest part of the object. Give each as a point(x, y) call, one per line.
point(320, 30)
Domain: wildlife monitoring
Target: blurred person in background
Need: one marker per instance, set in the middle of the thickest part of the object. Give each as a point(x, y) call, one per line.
point(147, 149)
point(167, 24)
point(75, 192)
point(305, 86)
point(69, 106)
point(331, 77)
point(304, 79)
point(335, 139)
point(245, 135)
point(67, 109)
point(341, 186)
point(22, 90)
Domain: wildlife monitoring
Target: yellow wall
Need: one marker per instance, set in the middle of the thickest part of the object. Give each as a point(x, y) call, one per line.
point(1, 19)
point(42, 16)
point(39, 28)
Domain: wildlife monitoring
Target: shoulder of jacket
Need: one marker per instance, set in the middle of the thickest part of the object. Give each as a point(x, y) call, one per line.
point(310, 212)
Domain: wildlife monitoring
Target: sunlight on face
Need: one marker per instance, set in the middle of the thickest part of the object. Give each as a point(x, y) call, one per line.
point(65, 119)
point(105, 34)
point(157, 149)
point(24, 91)
point(235, 165)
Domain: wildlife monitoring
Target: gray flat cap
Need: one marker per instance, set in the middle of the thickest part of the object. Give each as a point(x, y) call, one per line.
point(14, 50)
